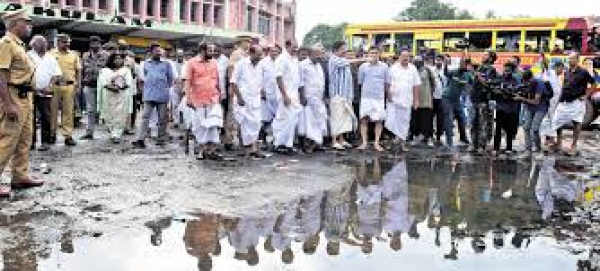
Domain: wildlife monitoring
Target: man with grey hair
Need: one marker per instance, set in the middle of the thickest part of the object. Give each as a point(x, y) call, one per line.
point(47, 73)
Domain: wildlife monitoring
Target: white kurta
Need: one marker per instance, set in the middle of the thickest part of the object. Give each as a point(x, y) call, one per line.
point(286, 118)
point(555, 82)
point(115, 107)
point(207, 121)
point(313, 119)
point(248, 78)
point(270, 103)
point(402, 81)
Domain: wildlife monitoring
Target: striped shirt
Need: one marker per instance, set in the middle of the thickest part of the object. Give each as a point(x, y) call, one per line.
point(340, 78)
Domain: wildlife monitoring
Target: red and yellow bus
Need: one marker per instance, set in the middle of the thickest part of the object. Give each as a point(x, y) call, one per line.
point(524, 37)
point(527, 38)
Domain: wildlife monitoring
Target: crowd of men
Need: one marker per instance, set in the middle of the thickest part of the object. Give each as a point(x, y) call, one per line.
point(287, 98)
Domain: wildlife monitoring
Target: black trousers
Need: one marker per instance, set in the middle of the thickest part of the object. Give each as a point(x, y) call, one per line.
point(438, 114)
point(509, 124)
point(41, 111)
point(421, 123)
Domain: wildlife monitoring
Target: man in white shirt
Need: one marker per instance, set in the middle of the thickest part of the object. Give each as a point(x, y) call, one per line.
point(270, 89)
point(46, 74)
point(288, 110)
point(404, 81)
point(177, 89)
point(246, 83)
point(313, 119)
point(441, 81)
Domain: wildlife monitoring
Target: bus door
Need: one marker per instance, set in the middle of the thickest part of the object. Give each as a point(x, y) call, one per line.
point(430, 40)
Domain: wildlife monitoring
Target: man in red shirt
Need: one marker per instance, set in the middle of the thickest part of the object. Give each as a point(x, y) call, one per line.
point(203, 97)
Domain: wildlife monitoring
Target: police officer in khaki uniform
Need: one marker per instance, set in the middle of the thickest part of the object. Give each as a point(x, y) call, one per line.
point(16, 102)
point(65, 92)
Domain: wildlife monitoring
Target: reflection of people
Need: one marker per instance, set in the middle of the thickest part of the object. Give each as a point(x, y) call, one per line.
point(336, 213)
point(367, 222)
point(396, 218)
point(201, 239)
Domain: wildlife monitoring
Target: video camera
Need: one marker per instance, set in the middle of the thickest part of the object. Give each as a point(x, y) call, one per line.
point(503, 91)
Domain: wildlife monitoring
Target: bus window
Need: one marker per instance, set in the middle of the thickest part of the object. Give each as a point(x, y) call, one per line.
point(480, 41)
point(359, 41)
point(508, 41)
point(451, 39)
point(567, 40)
point(380, 40)
point(403, 40)
point(537, 41)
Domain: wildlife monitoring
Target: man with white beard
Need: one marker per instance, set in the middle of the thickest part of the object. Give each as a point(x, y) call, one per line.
point(404, 81)
point(288, 110)
point(246, 83)
point(313, 119)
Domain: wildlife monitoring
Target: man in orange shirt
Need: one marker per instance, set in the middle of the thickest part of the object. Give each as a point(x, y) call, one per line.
point(203, 97)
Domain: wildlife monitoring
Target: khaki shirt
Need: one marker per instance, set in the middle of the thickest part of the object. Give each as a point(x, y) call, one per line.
point(15, 59)
point(69, 63)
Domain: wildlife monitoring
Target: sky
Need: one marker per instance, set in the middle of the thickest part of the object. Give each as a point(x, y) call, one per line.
point(313, 12)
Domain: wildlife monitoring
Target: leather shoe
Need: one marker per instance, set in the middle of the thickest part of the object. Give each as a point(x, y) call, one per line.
point(26, 183)
point(4, 191)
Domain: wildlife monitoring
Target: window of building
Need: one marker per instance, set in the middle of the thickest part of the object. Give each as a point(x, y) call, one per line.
point(164, 8)
point(403, 40)
point(379, 40)
point(567, 40)
point(537, 41)
point(219, 16)
point(264, 25)
point(359, 42)
point(103, 4)
point(480, 41)
point(71, 2)
point(136, 7)
point(55, 2)
point(205, 13)
point(150, 7)
point(508, 41)
point(182, 9)
point(122, 6)
point(195, 7)
point(249, 18)
point(452, 41)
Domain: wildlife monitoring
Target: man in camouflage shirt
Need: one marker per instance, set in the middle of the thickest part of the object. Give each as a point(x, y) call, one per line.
point(93, 62)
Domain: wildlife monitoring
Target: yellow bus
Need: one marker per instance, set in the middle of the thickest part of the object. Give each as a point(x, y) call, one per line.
point(524, 37)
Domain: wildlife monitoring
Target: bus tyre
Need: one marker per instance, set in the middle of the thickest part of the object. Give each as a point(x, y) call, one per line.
point(590, 113)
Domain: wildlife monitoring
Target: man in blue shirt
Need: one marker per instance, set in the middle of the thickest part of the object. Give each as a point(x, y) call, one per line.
point(535, 106)
point(157, 78)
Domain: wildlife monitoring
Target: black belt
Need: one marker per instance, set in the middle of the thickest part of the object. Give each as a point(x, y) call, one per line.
point(66, 83)
point(23, 90)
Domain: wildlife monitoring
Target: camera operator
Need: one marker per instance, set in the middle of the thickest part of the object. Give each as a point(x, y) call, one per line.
point(507, 108)
point(481, 128)
point(535, 97)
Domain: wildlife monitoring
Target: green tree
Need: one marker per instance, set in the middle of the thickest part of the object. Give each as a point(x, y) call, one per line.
point(428, 10)
point(324, 34)
point(491, 15)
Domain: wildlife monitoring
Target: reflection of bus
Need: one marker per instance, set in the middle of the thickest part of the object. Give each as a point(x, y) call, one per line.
point(523, 37)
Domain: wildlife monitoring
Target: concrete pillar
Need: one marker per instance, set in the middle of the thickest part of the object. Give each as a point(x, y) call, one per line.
point(143, 7)
point(188, 11)
point(62, 4)
point(129, 8)
point(173, 11)
point(79, 4)
point(95, 5)
point(200, 12)
point(156, 10)
point(211, 14)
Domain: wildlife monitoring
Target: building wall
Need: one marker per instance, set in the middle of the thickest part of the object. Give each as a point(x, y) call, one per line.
point(274, 20)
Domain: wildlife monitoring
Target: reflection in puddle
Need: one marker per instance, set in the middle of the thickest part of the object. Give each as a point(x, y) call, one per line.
point(395, 215)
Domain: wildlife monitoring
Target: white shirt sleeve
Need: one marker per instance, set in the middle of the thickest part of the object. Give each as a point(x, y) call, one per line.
point(236, 74)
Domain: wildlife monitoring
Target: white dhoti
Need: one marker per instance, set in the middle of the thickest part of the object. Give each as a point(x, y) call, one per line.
point(250, 121)
point(186, 112)
point(398, 120)
point(372, 108)
point(175, 97)
point(313, 120)
point(285, 124)
point(546, 126)
point(342, 119)
point(268, 109)
point(206, 122)
point(567, 113)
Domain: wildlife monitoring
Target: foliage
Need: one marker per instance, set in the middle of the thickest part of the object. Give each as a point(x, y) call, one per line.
point(428, 10)
point(324, 34)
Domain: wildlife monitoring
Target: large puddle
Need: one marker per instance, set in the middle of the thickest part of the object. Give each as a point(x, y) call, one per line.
point(395, 215)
